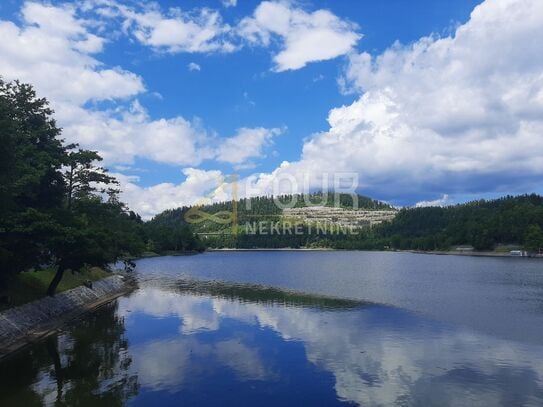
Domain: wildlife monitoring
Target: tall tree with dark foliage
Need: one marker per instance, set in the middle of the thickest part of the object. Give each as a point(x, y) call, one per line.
point(57, 207)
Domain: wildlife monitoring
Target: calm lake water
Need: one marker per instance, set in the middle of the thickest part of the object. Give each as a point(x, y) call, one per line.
point(300, 328)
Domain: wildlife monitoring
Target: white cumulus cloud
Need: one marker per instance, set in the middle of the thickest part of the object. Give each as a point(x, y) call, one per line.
point(180, 33)
point(148, 201)
point(454, 115)
point(173, 30)
point(57, 58)
point(246, 144)
point(443, 201)
point(304, 36)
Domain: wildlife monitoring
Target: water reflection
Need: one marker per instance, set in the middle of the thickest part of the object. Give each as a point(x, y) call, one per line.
point(254, 293)
point(213, 343)
point(367, 354)
point(502, 297)
point(88, 364)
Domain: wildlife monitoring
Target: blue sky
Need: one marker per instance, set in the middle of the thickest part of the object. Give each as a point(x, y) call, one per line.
point(119, 75)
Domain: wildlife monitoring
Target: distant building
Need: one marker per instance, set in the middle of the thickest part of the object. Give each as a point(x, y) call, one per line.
point(464, 248)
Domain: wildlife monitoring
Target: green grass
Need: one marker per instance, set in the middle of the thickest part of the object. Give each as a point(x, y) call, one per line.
point(31, 285)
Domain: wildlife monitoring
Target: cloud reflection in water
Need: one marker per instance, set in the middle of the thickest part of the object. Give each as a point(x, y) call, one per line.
point(377, 355)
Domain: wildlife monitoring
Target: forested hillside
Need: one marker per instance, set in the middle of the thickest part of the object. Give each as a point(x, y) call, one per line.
point(481, 224)
point(221, 216)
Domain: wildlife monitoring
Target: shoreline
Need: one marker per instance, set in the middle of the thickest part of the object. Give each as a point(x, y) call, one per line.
point(27, 324)
point(472, 254)
point(150, 255)
point(278, 249)
point(433, 252)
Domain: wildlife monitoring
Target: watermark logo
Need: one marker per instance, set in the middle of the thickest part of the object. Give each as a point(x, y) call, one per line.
point(196, 215)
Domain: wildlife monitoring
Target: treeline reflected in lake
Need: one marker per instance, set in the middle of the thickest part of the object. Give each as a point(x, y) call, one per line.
point(191, 342)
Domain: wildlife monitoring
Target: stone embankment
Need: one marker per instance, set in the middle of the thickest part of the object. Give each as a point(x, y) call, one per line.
point(28, 323)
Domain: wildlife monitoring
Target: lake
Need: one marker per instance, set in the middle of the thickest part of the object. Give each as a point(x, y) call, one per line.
point(300, 328)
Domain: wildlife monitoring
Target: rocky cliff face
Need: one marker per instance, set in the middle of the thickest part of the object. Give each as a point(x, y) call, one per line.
point(340, 216)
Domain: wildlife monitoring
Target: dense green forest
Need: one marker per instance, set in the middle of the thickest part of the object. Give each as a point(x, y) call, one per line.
point(481, 224)
point(58, 208)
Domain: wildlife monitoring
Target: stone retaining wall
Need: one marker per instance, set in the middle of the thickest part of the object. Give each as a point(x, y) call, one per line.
point(26, 323)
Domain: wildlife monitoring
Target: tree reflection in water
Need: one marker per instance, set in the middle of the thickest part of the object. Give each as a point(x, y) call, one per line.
point(87, 364)
point(218, 343)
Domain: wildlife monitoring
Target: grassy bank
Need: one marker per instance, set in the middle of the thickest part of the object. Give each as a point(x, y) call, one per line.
point(31, 285)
